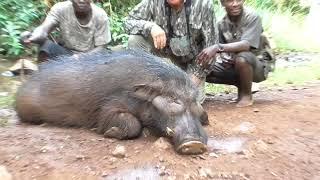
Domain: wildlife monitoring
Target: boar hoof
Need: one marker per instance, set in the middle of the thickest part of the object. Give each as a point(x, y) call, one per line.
point(192, 147)
point(114, 132)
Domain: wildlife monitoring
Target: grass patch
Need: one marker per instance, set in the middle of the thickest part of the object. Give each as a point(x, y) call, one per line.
point(6, 101)
point(220, 88)
point(3, 122)
point(294, 75)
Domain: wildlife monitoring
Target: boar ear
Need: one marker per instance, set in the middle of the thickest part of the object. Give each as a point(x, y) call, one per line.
point(146, 92)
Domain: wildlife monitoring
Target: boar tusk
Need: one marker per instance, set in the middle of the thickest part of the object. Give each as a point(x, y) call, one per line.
point(169, 131)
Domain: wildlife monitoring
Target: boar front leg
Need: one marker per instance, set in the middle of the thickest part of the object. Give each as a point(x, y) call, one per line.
point(121, 125)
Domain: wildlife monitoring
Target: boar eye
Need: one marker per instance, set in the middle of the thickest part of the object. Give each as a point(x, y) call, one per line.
point(172, 98)
point(167, 105)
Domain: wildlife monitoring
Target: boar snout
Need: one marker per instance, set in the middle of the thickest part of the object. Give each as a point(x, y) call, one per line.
point(189, 136)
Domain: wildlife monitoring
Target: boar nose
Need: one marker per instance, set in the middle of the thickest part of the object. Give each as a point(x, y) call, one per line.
point(189, 136)
point(192, 147)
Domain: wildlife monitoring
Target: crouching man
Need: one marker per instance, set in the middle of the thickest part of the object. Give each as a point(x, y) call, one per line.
point(242, 55)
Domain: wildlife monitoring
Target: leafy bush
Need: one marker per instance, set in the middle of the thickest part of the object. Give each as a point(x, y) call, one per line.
point(15, 17)
point(117, 30)
point(292, 6)
point(116, 19)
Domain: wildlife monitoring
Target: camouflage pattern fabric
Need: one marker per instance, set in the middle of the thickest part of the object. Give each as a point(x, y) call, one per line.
point(201, 24)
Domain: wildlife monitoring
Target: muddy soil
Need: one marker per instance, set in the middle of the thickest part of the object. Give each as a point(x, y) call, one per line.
point(277, 138)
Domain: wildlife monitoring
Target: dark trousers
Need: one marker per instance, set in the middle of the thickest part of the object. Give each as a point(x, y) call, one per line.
point(224, 73)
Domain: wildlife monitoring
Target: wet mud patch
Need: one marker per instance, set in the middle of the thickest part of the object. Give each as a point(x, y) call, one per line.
point(142, 172)
point(227, 145)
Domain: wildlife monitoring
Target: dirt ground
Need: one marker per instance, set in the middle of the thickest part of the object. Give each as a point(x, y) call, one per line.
point(277, 138)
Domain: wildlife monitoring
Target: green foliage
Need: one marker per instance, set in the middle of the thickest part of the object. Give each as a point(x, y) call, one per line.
point(219, 88)
point(117, 11)
point(117, 30)
point(3, 122)
point(15, 17)
point(121, 7)
point(6, 101)
point(268, 4)
point(10, 39)
point(292, 6)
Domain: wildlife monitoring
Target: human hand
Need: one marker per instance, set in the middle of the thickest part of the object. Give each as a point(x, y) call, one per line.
point(24, 37)
point(205, 57)
point(195, 79)
point(159, 37)
point(37, 36)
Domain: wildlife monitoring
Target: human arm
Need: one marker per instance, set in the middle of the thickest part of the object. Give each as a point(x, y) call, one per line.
point(209, 28)
point(52, 20)
point(140, 22)
point(205, 56)
point(209, 33)
point(39, 34)
point(250, 38)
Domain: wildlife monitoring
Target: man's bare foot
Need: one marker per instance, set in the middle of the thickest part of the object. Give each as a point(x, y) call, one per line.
point(245, 101)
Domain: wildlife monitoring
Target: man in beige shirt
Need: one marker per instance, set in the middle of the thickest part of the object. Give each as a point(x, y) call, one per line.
point(84, 27)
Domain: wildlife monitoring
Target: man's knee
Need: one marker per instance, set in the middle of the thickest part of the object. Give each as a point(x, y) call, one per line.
point(241, 61)
point(245, 58)
point(139, 42)
point(247, 62)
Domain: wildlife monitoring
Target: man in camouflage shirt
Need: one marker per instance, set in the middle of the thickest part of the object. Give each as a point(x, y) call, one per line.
point(244, 55)
point(175, 29)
